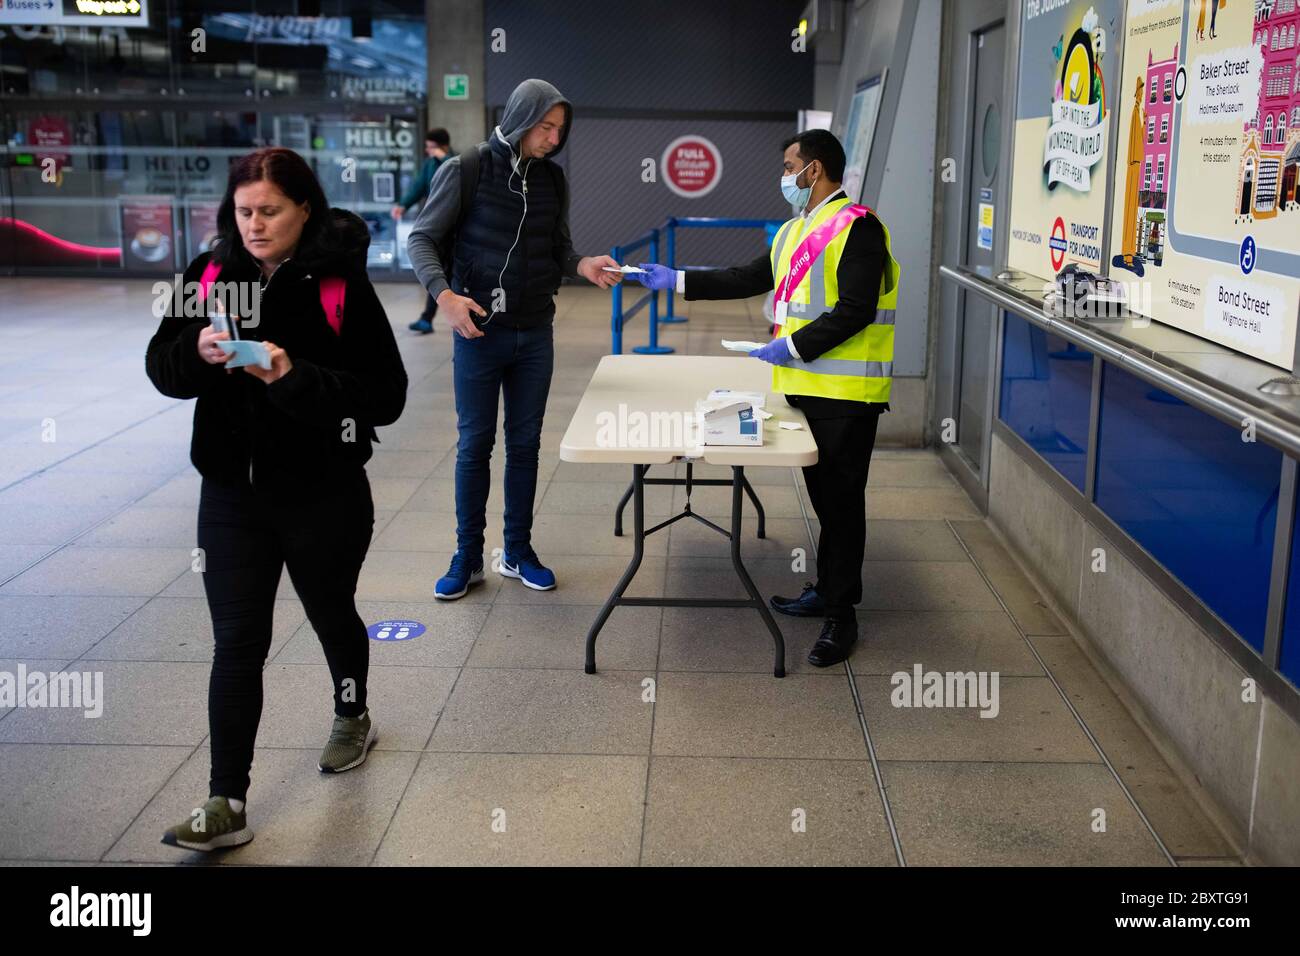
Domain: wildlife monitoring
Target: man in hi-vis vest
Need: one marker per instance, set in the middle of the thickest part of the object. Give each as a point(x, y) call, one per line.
point(836, 287)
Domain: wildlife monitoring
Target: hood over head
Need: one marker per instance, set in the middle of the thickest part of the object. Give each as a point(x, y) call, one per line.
point(527, 105)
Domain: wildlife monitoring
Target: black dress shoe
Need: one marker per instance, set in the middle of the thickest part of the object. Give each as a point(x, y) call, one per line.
point(807, 604)
point(834, 643)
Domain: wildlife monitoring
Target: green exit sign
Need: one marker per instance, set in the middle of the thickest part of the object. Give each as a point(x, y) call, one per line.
point(455, 86)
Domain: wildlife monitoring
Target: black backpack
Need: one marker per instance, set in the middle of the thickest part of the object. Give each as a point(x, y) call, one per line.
point(470, 163)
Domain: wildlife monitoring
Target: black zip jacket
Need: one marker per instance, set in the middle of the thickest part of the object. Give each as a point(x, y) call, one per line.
point(313, 427)
point(858, 276)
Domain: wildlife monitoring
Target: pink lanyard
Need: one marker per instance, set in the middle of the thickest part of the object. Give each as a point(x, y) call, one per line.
point(813, 245)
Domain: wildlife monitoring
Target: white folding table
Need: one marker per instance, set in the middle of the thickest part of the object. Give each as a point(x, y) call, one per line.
point(659, 392)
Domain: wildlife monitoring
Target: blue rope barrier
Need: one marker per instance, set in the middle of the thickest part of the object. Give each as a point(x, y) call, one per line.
point(619, 316)
point(702, 222)
point(651, 297)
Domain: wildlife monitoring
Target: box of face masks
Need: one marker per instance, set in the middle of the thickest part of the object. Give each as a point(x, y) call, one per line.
point(728, 422)
point(757, 399)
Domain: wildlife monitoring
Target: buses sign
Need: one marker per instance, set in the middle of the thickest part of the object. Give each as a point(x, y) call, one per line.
point(76, 13)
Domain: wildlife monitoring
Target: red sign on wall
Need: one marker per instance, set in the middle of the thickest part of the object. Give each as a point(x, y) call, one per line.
point(691, 166)
point(45, 131)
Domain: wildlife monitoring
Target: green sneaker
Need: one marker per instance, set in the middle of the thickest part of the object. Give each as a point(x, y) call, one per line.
point(350, 739)
point(214, 826)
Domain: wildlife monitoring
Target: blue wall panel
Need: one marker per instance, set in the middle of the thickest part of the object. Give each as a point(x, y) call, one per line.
point(1289, 665)
point(1189, 490)
point(1046, 383)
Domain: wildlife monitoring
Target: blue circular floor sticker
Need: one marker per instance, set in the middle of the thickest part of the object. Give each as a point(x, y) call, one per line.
point(1247, 254)
point(393, 631)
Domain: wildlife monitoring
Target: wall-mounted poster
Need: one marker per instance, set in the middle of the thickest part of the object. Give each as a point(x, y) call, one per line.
point(148, 235)
point(200, 227)
point(47, 131)
point(1205, 207)
point(863, 114)
point(1064, 99)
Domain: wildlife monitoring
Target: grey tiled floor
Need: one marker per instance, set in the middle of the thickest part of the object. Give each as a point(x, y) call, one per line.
point(495, 746)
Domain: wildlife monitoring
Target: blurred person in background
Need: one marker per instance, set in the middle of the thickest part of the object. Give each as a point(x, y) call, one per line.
point(437, 147)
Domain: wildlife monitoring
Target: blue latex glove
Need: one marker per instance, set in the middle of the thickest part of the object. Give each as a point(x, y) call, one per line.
point(777, 351)
point(655, 276)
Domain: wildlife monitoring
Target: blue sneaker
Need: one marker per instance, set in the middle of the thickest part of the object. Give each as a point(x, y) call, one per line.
point(462, 573)
point(528, 569)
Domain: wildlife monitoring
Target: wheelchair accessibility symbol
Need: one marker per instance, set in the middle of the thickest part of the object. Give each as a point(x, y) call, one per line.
point(1247, 255)
point(393, 631)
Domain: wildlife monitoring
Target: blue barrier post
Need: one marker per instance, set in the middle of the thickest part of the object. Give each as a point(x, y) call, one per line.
point(670, 227)
point(616, 307)
point(654, 348)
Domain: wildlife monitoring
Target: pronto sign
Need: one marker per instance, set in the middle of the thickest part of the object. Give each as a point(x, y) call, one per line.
point(692, 166)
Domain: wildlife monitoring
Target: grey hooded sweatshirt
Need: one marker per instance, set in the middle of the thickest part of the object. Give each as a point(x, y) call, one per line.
point(525, 108)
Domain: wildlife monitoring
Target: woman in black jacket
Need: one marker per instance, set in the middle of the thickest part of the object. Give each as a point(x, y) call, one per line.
point(282, 454)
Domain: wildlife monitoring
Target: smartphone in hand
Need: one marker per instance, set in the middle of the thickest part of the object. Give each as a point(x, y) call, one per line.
point(220, 322)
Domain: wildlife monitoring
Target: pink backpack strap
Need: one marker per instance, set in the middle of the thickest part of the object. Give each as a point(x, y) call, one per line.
point(210, 273)
point(333, 291)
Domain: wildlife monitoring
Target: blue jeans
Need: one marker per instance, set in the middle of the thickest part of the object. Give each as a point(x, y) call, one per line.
point(518, 363)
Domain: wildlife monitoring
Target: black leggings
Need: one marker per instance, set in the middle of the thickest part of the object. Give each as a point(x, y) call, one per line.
point(323, 539)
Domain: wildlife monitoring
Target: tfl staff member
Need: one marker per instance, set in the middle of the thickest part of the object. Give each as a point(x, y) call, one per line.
point(836, 290)
point(498, 294)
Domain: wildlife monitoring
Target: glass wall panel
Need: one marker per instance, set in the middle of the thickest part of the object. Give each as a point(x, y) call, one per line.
point(115, 143)
point(1046, 386)
point(1194, 494)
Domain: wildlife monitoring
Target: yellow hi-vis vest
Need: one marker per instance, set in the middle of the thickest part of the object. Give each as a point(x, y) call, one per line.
point(859, 369)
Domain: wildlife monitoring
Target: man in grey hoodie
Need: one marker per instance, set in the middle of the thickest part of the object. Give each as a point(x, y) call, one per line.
point(498, 295)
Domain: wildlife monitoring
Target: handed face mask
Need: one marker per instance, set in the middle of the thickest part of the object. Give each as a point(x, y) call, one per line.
point(793, 194)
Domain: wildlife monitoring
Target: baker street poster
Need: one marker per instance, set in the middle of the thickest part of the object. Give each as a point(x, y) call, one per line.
point(1205, 212)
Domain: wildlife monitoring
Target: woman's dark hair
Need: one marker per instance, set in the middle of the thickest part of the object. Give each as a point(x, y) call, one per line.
point(821, 145)
point(289, 173)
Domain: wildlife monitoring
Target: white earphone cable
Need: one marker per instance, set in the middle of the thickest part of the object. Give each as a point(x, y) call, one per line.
point(519, 230)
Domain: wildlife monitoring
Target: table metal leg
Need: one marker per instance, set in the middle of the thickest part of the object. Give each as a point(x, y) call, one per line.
point(738, 485)
point(758, 506)
point(749, 490)
point(622, 503)
point(637, 491)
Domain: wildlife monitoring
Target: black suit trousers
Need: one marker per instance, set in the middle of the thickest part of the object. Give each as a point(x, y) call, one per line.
point(837, 487)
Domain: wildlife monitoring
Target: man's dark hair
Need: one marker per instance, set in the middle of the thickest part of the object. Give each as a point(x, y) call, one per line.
point(820, 145)
point(439, 137)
